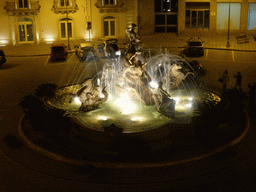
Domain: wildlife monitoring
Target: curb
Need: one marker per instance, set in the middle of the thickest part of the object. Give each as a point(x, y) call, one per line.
point(230, 49)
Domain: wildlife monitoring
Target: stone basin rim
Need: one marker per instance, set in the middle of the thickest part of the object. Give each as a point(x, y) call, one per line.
point(100, 164)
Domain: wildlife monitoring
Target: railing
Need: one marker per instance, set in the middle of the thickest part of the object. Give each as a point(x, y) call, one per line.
point(72, 7)
point(117, 6)
point(14, 7)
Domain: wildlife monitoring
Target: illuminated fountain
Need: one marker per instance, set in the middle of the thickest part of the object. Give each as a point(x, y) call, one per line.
point(133, 99)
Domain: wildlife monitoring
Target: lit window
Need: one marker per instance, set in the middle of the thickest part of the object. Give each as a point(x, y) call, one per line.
point(251, 17)
point(25, 30)
point(23, 3)
point(109, 5)
point(223, 15)
point(166, 6)
point(64, 3)
point(109, 26)
point(166, 16)
point(62, 6)
point(66, 28)
point(109, 2)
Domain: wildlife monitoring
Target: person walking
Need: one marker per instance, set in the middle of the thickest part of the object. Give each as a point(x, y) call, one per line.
point(225, 78)
point(238, 80)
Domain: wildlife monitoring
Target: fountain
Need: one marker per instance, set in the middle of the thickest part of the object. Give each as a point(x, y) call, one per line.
point(133, 99)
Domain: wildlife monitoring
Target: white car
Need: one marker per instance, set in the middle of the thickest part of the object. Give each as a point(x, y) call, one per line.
point(195, 47)
point(85, 51)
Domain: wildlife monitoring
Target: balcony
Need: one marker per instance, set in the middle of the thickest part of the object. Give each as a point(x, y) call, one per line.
point(115, 6)
point(58, 7)
point(13, 8)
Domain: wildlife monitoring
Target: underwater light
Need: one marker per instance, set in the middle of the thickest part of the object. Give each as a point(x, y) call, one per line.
point(125, 104)
point(153, 84)
point(118, 53)
point(104, 118)
point(189, 105)
point(136, 118)
point(77, 101)
point(102, 95)
point(177, 99)
point(110, 97)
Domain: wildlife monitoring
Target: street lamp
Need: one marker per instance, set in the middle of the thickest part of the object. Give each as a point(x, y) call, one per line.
point(67, 25)
point(228, 45)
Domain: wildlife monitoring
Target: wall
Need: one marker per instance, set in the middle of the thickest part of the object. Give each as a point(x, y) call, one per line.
point(5, 35)
point(46, 26)
point(146, 16)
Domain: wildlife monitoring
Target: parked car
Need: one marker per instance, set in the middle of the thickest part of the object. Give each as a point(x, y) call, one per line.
point(59, 51)
point(85, 51)
point(195, 67)
point(2, 57)
point(198, 68)
point(195, 47)
point(112, 49)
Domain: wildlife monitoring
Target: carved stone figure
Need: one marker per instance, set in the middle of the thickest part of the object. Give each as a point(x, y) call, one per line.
point(132, 35)
point(133, 50)
point(89, 96)
point(93, 99)
point(135, 80)
point(164, 103)
point(175, 76)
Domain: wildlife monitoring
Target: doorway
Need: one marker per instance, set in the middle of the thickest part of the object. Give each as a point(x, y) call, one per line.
point(197, 19)
point(25, 30)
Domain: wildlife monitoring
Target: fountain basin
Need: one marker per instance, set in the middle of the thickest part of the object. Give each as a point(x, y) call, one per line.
point(111, 129)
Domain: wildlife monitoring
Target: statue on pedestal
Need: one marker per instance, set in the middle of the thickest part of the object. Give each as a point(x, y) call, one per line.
point(164, 103)
point(134, 79)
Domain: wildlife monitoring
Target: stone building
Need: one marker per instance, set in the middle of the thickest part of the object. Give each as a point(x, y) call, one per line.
point(47, 21)
point(204, 16)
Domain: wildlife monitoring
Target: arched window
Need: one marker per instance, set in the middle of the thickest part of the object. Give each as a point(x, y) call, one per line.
point(25, 30)
point(109, 25)
point(66, 28)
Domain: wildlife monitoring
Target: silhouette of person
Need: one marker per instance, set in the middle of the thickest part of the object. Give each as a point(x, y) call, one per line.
point(238, 80)
point(225, 78)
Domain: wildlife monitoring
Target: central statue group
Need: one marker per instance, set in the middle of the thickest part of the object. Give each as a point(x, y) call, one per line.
point(133, 80)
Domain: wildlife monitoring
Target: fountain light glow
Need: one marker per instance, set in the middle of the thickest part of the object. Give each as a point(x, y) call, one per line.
point(177, 99)
point(77, 101)
point(189, 105)
point(125, 103)
point(104, 118)
point(137, 118)
point(153, 84)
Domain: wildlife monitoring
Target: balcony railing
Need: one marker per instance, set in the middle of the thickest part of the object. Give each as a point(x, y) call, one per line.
point(115, 7)
point(59, 8)
point(13, 8)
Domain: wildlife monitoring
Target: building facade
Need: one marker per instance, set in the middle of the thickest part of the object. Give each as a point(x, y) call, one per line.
point(185, 16)
point(47, 21)
point(32, 21)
